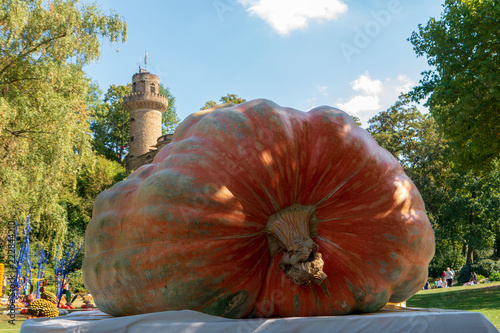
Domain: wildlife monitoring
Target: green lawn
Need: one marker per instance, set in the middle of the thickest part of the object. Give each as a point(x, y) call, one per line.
point(6, 327)
point(9, 328)
point(484, 298)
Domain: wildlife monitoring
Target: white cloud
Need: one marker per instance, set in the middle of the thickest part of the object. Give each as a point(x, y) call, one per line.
point(405, 84)
point(366, 85)
point(360, 103)
point(287, 15)
point(373, 95)
point(368, 100)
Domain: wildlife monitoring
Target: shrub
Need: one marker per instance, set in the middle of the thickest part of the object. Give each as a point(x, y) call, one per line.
point(485, 267)
point(480, 277)
point(75, 280)
point(464, 274)
point(495, 276)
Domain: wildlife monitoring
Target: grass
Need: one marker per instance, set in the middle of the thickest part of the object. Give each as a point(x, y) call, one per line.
point(10, 328)
point(6, 327)
point(484, 298)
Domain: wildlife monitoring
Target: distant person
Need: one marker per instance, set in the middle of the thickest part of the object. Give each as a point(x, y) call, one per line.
point(473, 278)
point(449, 277)
point(427, 286)
point(439, 283)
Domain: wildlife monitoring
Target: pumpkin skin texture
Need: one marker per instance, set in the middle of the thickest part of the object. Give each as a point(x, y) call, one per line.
point(260, 210)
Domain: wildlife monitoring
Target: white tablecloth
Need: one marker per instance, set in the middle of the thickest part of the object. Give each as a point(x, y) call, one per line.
point(399, 320)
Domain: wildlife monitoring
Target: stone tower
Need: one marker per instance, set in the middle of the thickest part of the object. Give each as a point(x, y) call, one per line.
point(145, 106)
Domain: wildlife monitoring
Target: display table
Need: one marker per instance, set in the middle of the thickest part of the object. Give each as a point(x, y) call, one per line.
point(397, 320)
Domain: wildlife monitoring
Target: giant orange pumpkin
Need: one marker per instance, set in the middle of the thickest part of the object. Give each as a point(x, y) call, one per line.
point(260, 210)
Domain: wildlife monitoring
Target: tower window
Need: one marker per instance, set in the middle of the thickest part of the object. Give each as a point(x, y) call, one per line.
point(131, 138)
point(152, 89)
point(132, 119)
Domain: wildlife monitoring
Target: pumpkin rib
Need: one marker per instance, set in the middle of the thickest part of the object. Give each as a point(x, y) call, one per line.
point(348, 204)
point(229, 267)
point(357, 269)
point(222, 150)
point(234, 286)
point(252, 125)
point(402, 261)
point(343, 218)
point(148, 244)
point(335, 190)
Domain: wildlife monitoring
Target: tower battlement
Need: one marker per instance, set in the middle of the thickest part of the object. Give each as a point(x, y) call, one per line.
point(142, 100)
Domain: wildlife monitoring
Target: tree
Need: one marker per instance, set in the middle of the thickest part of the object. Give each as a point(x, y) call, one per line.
point(398, 130)
point(229, 98)
point(356, 120)
point(208, 105)
point(111, 122)
point(232, 98)
point(169, 118)
point(413, 138)
point(471, 214)
point(95, 176)
point(463, 89)
point(44, 133)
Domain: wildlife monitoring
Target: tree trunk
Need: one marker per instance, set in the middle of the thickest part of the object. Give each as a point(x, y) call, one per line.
point(470, 249)
point(496, 247)
point(470, 255)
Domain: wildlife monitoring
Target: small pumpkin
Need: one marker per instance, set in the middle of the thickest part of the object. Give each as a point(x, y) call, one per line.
point(260, 210)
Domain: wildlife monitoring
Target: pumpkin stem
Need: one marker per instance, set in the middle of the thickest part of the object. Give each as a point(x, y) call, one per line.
point(290, 231)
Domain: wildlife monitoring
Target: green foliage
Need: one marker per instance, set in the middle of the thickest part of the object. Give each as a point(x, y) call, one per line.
point(208, 105)
point(229, 98)
point(356, 120)
point(95, 176)
point(76, 281)
point(232, 98)
point(480, 277)
point(463, 88)
point(446, 256)
point(51, 288)
point(50, 274)
point(44, 133)
point(471, 213)
point(495, 276)
point(464, 274)
point(169, 117)
point(110, 123)
point(484, 267)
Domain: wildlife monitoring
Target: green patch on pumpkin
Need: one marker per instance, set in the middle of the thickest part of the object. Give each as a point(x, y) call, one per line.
point(229, 305)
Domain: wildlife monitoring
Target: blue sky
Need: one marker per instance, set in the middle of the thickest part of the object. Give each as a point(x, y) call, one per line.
point(353, 55)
